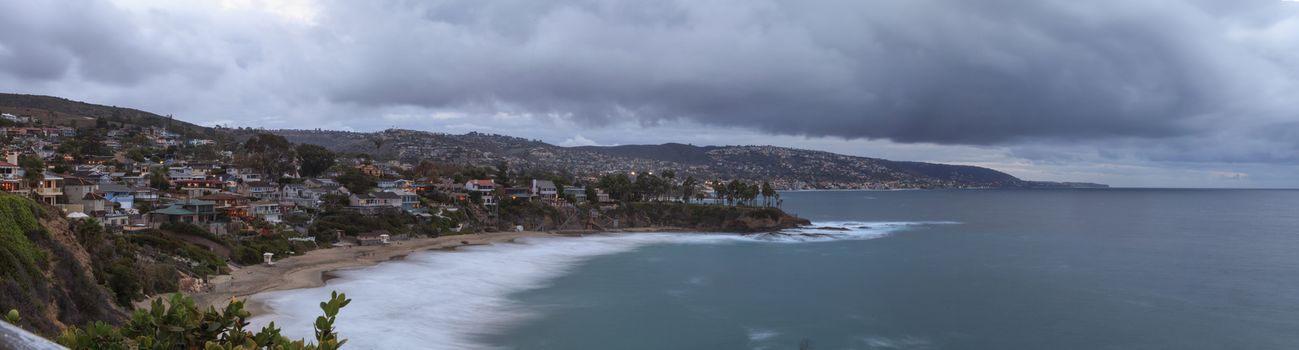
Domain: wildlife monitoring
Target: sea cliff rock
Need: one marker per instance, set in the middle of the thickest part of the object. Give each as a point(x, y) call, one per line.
point(706, 218)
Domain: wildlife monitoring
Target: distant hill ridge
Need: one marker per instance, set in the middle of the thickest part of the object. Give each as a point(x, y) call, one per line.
point(787, 168)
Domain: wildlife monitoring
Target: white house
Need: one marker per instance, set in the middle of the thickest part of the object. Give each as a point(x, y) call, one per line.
point(480, 185)
point(376, 199)
point(267, 210)
point(544, 189)
point(259, 189)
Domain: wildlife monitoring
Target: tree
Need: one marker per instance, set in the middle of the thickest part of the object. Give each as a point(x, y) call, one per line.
point(688, 188)
point(33, 170)
point(270, 154)
point(671, 177)
point(136, 155)
point(357, 181)
point(723, 191)
point(592, 195)
point(158, 179)
point(427, 169)
point(503, 174)
point(767, 193)
point(314, 160)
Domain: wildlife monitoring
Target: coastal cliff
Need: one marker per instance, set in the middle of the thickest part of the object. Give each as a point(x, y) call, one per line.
point(46, 274)
point(705, 218)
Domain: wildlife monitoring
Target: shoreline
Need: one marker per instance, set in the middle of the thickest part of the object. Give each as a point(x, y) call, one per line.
point(315, 268)
point(312, 268)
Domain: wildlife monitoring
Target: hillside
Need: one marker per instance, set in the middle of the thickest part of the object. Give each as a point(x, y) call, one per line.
point(45, 273)
point(786, 168)
point(57, 111)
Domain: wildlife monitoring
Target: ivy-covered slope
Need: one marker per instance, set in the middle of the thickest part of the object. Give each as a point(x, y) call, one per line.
point(44, 272)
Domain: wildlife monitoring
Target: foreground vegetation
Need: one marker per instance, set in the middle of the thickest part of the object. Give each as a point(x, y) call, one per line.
point(179, 324)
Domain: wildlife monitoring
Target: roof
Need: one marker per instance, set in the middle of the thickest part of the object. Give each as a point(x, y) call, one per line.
point(378, 195)
point(259, 184)
point(92, 196)
point(543, 183)
point(173, 211)
point(221, 196)
point(8, 165)
point(198, 181)
point(483, 182)
point(77, 181)
point(193, 202)
point(112, 187)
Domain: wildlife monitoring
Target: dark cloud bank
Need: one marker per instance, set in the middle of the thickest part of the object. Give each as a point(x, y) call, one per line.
point(1175, 74)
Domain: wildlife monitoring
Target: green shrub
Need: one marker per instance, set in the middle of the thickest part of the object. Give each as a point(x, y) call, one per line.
point(179, 324)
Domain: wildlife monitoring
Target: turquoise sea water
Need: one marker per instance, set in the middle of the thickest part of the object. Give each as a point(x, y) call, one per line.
point(1076, 269)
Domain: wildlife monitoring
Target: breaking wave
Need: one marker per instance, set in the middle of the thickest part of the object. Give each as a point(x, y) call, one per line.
point(448, 300)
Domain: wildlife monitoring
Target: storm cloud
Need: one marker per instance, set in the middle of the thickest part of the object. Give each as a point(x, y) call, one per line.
point(1155, 79)
point(973, 72)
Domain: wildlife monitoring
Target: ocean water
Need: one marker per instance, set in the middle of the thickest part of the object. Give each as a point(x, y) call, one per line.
point(1060, 269)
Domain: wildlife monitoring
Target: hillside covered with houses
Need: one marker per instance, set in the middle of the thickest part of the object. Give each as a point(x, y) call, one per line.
point(151, 205)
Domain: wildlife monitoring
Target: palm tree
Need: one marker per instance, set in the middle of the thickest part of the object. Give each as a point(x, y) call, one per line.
point(687, 188)
point(767, 193)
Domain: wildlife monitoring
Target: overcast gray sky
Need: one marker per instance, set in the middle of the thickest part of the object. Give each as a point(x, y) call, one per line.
point(1201, 93)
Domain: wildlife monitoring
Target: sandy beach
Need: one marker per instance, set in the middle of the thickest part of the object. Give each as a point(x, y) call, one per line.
point(308, 270)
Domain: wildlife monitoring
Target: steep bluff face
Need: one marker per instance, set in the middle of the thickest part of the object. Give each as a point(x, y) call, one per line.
point(45, 273)
point(707, 218)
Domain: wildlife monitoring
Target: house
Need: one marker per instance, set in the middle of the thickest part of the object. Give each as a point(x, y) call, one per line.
point(244, 174)
point(578, 193)
point(76, 187)
point(11, 177)
point(259, 189)
point(113, 220)
point(198, 188)
point(325, 186)
point(80, 195)
point(370, 169)
point(183, 173)
point(409, 200)
point(301, 195)
point(486, 186)
point(375, 199)
point(93, 203)
point(544, 189)
point(144, 194)
point(190, 211)
point(122, 195)
point(266, 210)
point(50, 189)
point(483, 187)
point(518, 193)
point(14, 118)
point(135, 180)
point(224, 199)
point(379, 237)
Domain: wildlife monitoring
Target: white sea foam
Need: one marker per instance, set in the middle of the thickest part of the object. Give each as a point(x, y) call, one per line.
point(445, 300)
point(759, 338)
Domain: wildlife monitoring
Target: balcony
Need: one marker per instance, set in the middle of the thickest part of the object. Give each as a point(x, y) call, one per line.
point(49, 191)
